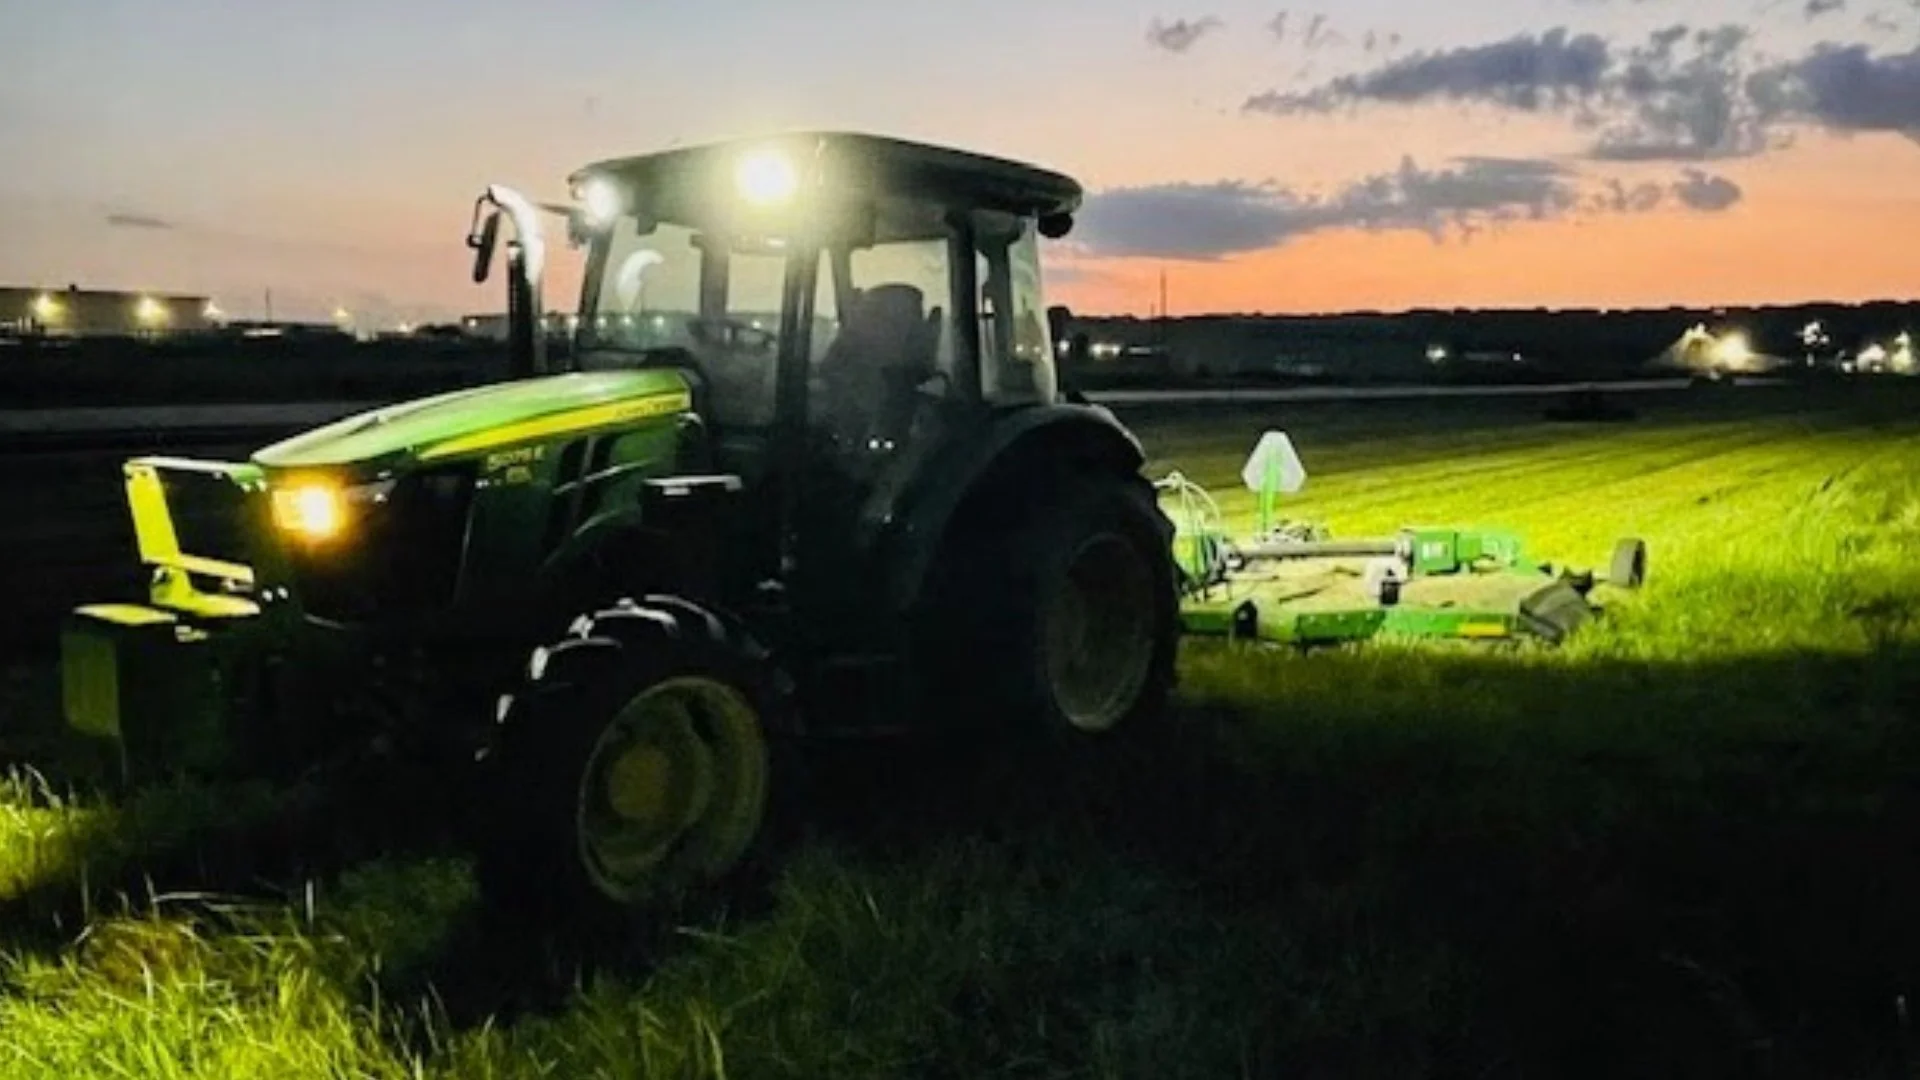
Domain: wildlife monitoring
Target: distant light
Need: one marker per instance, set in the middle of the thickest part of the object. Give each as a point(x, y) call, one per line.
point(767, 178)
point(1872, 356)
point(602, 201)
point(46, 308)
point(212, 312)
point(149, 312)
point(1903, 362)
point(1436, 354)
point(1734, 350)
point(342, 315)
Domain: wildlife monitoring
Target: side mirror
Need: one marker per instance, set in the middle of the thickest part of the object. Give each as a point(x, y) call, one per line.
point(579, 231)
point(1055, 226)
point(482, 241)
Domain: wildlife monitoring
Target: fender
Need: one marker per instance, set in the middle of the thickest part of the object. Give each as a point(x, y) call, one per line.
point(620, 527)
point(909, 524)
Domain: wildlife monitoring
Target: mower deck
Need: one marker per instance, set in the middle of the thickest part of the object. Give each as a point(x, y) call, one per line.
point(1294, 583)
point(1326, 601)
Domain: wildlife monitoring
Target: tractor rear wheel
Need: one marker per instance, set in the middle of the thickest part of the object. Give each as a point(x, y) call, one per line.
point(1074, 616)
point(633, 767)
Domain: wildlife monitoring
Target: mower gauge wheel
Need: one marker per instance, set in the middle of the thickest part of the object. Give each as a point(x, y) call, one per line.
point(1629, 567)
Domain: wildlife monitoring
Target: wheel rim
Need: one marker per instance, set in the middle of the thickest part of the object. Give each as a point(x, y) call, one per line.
point(1098, 633)
point(673, 790)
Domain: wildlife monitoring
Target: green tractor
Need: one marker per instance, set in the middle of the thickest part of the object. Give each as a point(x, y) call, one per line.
point(807, 472)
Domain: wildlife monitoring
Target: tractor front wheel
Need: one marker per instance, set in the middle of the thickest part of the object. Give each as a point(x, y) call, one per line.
point(633, 768)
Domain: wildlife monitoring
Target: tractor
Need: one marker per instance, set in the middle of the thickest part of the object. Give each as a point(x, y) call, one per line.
point(806, 472)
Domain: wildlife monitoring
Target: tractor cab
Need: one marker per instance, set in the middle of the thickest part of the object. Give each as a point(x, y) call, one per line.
point(846, 308)
point(838, 299)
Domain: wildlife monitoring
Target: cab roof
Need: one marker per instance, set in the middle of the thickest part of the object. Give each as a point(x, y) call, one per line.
point(861, 162)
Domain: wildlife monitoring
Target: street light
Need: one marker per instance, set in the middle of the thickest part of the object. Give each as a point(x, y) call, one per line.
point(149, 312)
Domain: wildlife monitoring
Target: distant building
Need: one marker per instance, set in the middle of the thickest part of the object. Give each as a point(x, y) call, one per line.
point(77, 312)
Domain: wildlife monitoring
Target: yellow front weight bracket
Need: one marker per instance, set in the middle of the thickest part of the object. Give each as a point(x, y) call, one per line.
point(173, 586)
point(149, 684)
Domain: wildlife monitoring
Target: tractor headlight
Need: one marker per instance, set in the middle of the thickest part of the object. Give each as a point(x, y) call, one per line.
point(767, 178)
point(319, 510)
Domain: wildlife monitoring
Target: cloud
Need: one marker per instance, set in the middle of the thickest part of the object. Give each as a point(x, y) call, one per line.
point(1210, 221)
point(138, 221)
point(1702, 191)
point(1680, 97)
point(1180, 35)
point(1277, 26)
point(1881, 22)
point(1817, 8)
point(1845, 88)
point(1523, 72)
point(1319, 37)
point(1615, 197)
point(1680, 94)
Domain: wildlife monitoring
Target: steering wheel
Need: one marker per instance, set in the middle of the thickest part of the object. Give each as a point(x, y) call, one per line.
point(732, 334)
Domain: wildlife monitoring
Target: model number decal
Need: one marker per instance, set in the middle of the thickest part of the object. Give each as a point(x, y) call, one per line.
point(522, 456)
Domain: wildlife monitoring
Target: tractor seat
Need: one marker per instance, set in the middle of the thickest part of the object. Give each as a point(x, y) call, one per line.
point(904, 384)
point(885, 350)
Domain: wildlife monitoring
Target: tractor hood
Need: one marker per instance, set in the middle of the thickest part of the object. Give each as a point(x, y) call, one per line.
point(486, 418)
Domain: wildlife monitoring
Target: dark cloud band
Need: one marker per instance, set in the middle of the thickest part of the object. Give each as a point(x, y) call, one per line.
point(1211, 221)
point(1683, 94)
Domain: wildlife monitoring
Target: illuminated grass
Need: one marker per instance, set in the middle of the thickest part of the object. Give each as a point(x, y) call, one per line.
point(51, 839)
point(226, 990)
point(1679, 846)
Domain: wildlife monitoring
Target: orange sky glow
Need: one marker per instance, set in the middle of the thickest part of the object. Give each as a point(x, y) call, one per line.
point(330, 156)
point(1824, 221)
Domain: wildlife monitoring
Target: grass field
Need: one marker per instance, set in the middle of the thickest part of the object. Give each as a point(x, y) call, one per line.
point(1680, 846)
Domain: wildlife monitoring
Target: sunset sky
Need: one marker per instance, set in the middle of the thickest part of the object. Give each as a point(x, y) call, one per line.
point(1369, 155)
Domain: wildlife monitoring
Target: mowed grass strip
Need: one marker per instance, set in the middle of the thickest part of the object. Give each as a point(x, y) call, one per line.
point(1678, 846)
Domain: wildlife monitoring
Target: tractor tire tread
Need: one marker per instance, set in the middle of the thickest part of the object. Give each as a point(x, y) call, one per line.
point(554, 715)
